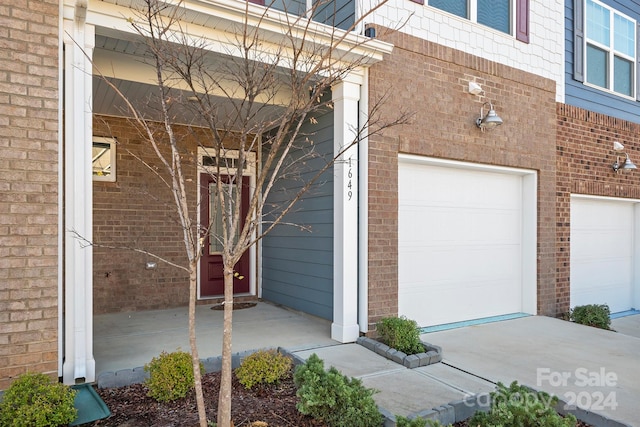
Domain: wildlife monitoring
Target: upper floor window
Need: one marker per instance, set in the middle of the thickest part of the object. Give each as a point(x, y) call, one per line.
point(610, 49)
point(507, 16)
point(337, 13)
point(496, 14)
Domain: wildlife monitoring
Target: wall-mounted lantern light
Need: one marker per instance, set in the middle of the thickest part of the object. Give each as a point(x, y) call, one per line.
point(625, 166)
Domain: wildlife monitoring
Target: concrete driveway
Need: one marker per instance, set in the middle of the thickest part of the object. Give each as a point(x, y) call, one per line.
point(590, 368)
point(628, 325)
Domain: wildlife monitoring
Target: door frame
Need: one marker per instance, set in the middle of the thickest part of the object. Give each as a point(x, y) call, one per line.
point(250, 171)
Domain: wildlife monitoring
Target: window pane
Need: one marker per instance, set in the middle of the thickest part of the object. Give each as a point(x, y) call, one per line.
point(495, 14)
point(598, 23)
point(295, 7)
point(624, 41)
point(215, 214)
point(457, 7)
point(103, 159)
point(597, 66)
point(622, 76)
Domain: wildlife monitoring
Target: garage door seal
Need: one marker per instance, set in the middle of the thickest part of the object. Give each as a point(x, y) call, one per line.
point(447, 326)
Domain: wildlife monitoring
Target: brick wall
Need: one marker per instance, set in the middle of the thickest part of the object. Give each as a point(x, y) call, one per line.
point(136, 211)
point(28, 189)
point(584, 158)
point(432, 81)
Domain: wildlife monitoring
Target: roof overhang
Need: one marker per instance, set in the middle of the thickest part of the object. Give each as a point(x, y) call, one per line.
point(217, 23)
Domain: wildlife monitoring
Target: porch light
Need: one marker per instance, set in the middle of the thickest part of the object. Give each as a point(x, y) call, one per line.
point(490, 121)
point(627, 166)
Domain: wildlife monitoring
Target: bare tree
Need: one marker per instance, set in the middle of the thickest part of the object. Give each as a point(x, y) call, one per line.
point(253, 103)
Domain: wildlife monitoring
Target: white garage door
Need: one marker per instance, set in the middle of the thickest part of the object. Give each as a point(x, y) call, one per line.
point(460, 243)
point(602, 252)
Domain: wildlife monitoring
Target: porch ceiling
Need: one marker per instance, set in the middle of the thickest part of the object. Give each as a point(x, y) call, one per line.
point(119, 55)
point(121, 61)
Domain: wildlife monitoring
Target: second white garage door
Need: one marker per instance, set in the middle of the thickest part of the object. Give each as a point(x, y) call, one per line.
point(463, 250)
point(602, 252)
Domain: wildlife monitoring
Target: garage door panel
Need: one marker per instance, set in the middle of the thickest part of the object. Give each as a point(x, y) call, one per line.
point(602, 251)
point(481, 189)
point(457, 225)
point(595, 244)
point(457, 264)
point(460, 243)
point(447, 294)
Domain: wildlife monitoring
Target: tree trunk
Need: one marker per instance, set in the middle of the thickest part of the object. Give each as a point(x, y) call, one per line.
point(224, 399)
point(195, 359)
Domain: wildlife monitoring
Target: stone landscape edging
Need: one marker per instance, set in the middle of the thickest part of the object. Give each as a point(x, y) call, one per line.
point(431, 355)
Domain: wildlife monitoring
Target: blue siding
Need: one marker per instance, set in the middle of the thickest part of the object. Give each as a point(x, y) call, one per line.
point(297, 265)
point(580, 95)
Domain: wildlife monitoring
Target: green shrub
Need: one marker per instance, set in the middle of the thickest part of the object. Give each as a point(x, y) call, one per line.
point(333, 398)
point(520, 406)
point(400, 333)
point(416, 422)
point(263, 367)
point(35, 400)
point(170, 376)
point(596, 315)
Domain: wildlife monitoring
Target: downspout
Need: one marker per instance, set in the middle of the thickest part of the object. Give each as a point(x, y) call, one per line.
point(363, 207)
point(60, 185)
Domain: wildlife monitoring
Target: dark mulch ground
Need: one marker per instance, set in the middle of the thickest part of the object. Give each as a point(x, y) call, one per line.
point(275, 406)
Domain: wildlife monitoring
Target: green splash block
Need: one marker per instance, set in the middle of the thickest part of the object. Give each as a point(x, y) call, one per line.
point(89, 405)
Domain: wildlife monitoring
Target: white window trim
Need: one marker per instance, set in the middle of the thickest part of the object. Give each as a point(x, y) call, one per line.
point(611, 52)
point(250, 163)
point(473, 16)
point(112, 158)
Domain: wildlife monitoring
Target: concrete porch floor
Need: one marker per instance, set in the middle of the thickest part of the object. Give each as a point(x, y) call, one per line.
point(129, 340)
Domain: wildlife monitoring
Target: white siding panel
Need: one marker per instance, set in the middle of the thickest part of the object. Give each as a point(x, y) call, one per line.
point(543, 56)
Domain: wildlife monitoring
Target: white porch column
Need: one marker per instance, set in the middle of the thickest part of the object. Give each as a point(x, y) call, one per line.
point(79, 363)
point(345, 213)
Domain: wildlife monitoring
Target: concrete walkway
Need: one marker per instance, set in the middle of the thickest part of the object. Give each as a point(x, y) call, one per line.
point(595, 369)
point(129, 340)
point(629, 325)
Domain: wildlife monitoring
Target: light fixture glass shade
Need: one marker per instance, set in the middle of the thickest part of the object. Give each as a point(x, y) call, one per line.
point(490, 121)
point(628, 165)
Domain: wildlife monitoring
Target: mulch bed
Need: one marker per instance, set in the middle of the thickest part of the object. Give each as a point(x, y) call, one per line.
point(275, 406)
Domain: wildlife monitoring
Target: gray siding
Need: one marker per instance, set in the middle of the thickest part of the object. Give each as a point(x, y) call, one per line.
point(589, 98)
point(297, 265)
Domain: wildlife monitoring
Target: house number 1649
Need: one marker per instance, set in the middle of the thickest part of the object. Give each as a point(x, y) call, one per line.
point(349, 182)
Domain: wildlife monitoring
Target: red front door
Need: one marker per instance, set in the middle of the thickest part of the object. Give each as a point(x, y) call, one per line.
point(211, 271)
